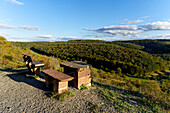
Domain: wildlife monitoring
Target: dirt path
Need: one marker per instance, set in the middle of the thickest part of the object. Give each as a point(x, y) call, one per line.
point(21, 94)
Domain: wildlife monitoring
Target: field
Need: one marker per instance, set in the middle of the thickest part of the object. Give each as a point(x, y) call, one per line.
point(168, 42)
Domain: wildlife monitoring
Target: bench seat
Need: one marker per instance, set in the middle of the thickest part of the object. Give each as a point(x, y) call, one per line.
point(57, 81)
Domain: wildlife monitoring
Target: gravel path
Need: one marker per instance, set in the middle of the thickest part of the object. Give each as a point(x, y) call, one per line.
point(21, 94)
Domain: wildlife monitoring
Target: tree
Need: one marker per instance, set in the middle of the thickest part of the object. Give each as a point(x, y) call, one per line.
point(119, 71)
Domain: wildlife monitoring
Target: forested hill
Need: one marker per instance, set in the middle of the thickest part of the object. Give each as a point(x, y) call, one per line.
point(129, 57)
point(152, 46)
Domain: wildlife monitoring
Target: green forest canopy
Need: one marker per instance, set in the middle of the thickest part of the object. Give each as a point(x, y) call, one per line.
point(134, 58)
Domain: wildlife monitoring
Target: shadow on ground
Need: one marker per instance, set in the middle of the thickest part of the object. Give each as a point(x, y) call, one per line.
point(19, 75)
point(15, 70)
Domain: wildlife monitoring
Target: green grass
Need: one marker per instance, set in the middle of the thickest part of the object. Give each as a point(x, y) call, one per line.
point(94, 108)
point(83, 87)
point(134, 79)
point(34, 52)
point(167, 42)
point(32, 76)
point(61, 96)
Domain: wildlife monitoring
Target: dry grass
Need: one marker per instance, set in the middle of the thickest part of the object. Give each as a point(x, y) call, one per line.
point(11, 57)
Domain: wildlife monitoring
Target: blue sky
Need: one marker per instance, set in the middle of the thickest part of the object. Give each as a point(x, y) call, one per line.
point(62, 20)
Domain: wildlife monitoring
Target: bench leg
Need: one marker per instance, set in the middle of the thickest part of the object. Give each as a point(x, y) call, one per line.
point(37, 71)
point(29, 69)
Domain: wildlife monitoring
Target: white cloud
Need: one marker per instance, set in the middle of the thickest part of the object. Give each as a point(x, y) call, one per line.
point(162, 36)
point(95, 36)
point(122, 32)
point(117, 30)
point(114, 27)
point(132, 22)
point(89, 29)
point(49, 38)
point(3, 26)
point(23, 39)
point(4, 34)
point(119, 27)
point(15, 2)
point(125, 20)
point(32, 28)
point(130, 30)
point(66, 38)
point(156, 26)
point(46, 37)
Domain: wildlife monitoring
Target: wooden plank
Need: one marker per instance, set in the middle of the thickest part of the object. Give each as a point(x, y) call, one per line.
point(75, 64)
point(57, 75)
point(37, 64)
point(84, 73)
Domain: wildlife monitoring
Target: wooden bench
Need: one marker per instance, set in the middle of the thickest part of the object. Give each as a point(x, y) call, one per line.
point(56, 81)
point(33, 66)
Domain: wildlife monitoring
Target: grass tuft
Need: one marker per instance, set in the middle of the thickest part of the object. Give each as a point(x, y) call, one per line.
point(32, 76)
point(61, 96)
point(83, 87)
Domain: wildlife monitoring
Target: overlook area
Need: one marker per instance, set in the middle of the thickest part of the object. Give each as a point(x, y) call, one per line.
point(127, 76)
point(84, 56)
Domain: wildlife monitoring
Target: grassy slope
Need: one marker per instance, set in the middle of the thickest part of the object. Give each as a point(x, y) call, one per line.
point(11, 57)
point(120, 91)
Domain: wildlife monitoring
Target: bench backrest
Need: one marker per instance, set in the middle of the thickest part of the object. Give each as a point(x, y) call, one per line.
point(27, 58)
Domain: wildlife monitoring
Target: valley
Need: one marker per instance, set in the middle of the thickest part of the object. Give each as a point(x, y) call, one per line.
point(127, 76)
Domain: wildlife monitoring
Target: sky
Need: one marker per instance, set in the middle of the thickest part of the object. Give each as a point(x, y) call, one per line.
point(63, 20)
